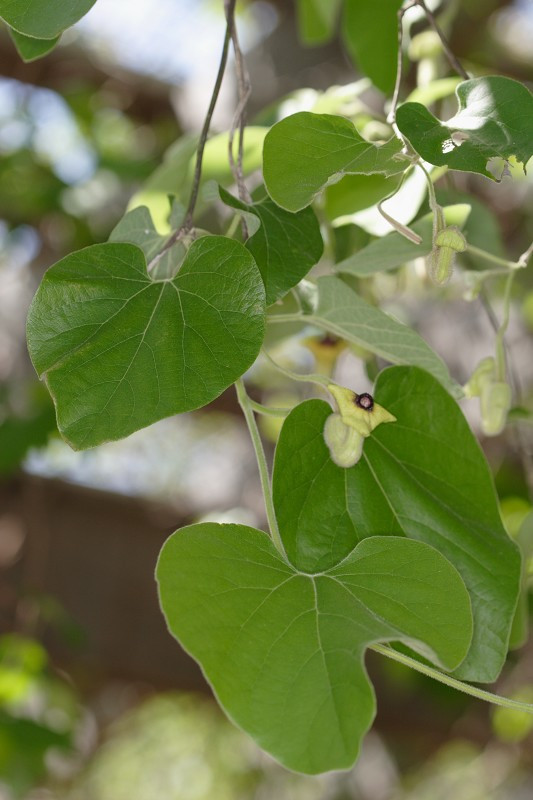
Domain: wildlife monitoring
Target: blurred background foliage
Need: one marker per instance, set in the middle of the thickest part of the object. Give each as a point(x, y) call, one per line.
point(96, 702)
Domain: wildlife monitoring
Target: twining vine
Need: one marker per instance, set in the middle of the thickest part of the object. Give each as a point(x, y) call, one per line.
point(383, 518)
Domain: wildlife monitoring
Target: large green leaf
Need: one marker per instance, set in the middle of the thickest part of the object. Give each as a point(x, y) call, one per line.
point(43, 19)
point(424, 477)
point(305, 152)
point(283, 650)
point(285, 246)
point(394, 249)
point(119, 350)
point(341, 311)
point(29, 48)
point(495, 118)
point(370, 30)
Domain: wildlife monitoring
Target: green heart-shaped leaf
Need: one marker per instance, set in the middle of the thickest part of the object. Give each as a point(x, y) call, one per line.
point(305, 152)
point(284, 650)
point(120, 351)
point(495, 118)
point(43, 19)
point(285, 246)
point(423, 476)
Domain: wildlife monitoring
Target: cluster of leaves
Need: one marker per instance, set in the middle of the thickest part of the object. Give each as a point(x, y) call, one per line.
point(405, 546)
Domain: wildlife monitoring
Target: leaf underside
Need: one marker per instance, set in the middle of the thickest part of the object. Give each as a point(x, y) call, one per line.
point(342, 312)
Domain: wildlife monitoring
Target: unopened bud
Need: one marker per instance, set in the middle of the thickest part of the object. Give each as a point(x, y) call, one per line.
point(495, 402)
point(484, 373)
point(345, 444)
point(446, 244)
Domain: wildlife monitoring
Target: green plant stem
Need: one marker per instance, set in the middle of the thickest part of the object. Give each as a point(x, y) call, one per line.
point(233, 226)
point(503, 262)
point(245, 404)
point(466, 688)
point(268, 411)
point(450, 55)
point(286, 318)
point(431, 191)
point(403, 230)
point(500, 345)
point(391, 118)
point(308, 377)
point(187, 222)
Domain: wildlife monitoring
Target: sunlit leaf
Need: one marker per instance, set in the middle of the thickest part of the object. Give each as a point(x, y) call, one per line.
point(495, 119)
point(174, 176)
point(305, 152)
point(119, 350)
point(283, 650)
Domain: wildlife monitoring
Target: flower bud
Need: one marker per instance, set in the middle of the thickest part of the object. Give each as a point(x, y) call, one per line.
point(326, 350)
point(484, 373)
point(495, 402)
point(345, 444)
point(446, 244)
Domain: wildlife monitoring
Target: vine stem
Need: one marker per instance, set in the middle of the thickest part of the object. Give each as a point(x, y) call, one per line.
point(245, 404)
point(399, 68)
point(186, 225)
point(239, 118)
point(466, 688)
point(286, 318)
point(308, 377)
point(268, 411)
point(450, 55)
point(500, 342)
point(476, 251)
point(403, 230)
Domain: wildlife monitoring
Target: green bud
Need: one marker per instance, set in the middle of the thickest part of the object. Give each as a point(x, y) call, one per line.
point(451, 237)
point(359, 411)
point(484, 373)
point(345, 444)
point(495, 402)
point(447, 242)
